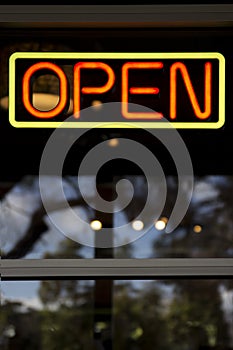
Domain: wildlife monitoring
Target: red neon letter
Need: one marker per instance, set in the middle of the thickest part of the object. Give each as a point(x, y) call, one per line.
point(138, 90)
point(62, 93)
point(90, 90)
point(191, 93)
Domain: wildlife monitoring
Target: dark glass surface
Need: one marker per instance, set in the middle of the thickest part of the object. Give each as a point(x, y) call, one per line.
point(210, 149)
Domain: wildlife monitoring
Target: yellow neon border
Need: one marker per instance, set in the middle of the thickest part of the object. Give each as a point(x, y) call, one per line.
point(121, 55)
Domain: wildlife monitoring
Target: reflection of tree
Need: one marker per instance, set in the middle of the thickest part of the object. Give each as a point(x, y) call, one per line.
point(67, 320)
point(139, 321)
point(65, 326)
point(35, 230)
point(37, 226)
point(192, 318)
point(175, 314)
point(212, 208)
point(56, 291)
point(195, 317)
point(213, 211)
point(19, 329)
point(68, 327)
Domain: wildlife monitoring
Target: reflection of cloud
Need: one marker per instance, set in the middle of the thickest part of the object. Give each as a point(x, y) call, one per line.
point(21, 202)
point(18, 207)
point(227, 306)
point(49, 243)
point(125, 235)
point(26, 303)
point(50, 186)
point(204, 191)
point(3, 228)
point(227, 300)
point(12, 225)
point(16, 210)
point(33, 303)
point(66, 223)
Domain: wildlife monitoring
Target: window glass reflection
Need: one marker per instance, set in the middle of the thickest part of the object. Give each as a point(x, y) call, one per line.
point(28, 232)
point(178, 314)
point(47, 315)
point(190, 314)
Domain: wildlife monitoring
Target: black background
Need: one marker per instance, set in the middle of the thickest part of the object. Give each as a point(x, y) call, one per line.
point(211, 150)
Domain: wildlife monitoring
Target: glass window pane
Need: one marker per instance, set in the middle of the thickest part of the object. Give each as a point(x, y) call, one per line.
point(167, 314)
point(175, 314)
point(28, 232)
point(47, 315)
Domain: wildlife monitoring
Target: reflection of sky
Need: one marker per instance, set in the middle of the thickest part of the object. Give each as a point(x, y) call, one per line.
point(19, 205)
point(24, 199)
point(204, 190)
point(24, 292)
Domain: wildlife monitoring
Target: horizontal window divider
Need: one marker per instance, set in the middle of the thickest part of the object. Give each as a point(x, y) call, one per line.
point(115, 268)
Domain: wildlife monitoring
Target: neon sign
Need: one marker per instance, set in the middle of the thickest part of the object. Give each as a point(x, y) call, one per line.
point(188, 89)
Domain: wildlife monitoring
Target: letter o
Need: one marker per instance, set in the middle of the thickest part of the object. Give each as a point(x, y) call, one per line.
point(62, 90)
